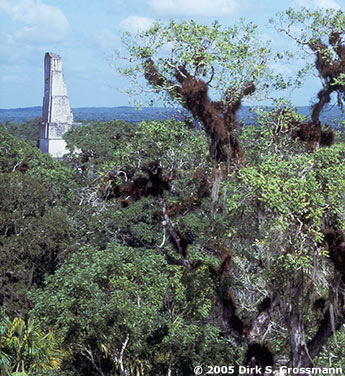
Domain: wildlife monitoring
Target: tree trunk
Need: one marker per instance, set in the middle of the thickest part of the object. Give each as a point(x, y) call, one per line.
point(297, 344)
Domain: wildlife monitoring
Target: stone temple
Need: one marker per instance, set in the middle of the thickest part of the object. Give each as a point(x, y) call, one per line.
point(57, 116)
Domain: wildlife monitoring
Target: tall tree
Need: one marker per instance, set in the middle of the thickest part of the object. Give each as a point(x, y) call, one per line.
point(206, 69)
point(205, 62)
point(320, 34)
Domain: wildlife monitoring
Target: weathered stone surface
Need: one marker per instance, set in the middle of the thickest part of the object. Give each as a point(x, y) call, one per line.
point(57, 116)
point(54, 130)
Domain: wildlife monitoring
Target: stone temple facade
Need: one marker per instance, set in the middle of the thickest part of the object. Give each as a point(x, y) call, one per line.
point(57, 116)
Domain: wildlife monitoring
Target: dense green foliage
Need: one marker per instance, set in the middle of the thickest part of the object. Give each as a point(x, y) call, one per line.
point(118, 285)
point(105, 300)
point(27, 131)
point(35, 232)
point(25, 350)
point(34, 237)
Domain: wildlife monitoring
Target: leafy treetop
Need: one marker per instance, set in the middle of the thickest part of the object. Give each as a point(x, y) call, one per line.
point(187, 63)
point(226, 58)
point(321, 33)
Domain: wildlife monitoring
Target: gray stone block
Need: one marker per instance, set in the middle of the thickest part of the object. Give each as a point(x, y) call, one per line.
point(57, 116)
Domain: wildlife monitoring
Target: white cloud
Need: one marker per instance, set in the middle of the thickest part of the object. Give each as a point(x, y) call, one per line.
point(215, 8)
point(318, 4)
point(134, 24)
point(41, 22)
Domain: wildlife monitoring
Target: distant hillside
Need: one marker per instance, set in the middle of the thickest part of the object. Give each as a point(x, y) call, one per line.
point(20, 115)
point(131, 114)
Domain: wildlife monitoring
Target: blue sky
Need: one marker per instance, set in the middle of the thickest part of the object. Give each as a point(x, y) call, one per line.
point(86, 32)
